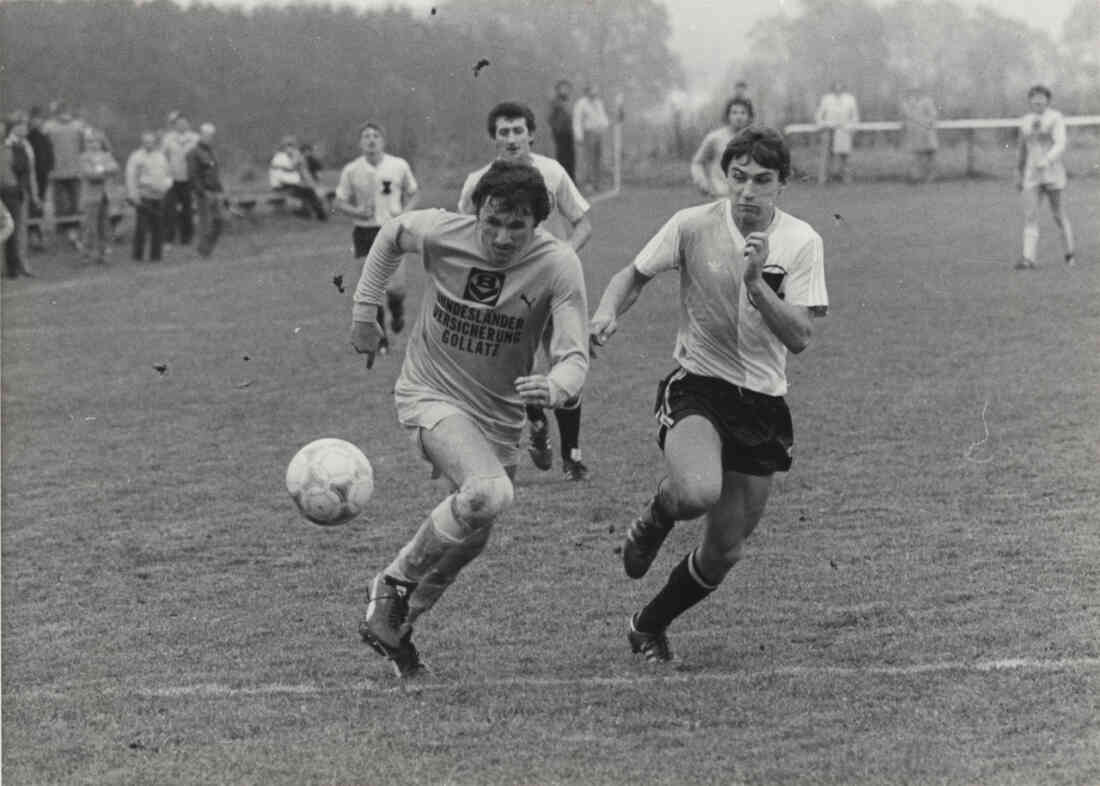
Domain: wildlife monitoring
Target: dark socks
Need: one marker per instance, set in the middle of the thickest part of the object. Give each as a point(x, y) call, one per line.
point(682, 591)
point(569, 429)
point(536, 416)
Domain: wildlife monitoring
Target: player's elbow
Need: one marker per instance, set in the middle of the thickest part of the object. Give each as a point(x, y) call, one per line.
point(799, 339)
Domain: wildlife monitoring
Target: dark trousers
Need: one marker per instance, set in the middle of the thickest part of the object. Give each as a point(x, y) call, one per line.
point(66, 201)
point(179, 213)
point(308, 197)
point(566, 153)
point(209, 205)
point(593, 153)
point(13, 260)
point(150, 221)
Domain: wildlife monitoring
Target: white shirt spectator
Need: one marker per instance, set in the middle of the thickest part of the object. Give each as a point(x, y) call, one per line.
point(589, 115)
point(147, 175)
point(176, 146)
point(285, 169)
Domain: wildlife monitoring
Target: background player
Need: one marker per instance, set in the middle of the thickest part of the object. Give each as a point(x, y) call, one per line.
point(496, 280)
point(511, 126)
point(751, 278)
point(374, 188)
point(706, 169)
point(1041, 171)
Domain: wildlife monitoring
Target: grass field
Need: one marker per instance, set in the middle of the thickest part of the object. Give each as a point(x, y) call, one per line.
point(921, 603)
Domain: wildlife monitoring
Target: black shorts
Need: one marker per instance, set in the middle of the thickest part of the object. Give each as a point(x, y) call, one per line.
point(362, 238)
point(755, 428)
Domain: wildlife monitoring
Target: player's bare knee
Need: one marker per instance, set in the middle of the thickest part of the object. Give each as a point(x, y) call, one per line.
point(481, 499)
point(695, 499)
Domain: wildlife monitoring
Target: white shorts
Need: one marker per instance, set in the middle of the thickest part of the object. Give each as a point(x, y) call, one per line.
point(416, 413)
point(1050, 178)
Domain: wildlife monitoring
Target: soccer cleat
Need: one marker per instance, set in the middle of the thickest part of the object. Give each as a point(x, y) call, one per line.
point(406, 660)
point(574, 470)
point(383, 628)
point(1025, 264)
point(1071, 260)
point(643, 541)
point(539, 449)
point(653, 646)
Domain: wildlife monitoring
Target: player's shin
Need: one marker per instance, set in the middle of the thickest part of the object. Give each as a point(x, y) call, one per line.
point(427, 547)
point(684, 588)
point(445, 572)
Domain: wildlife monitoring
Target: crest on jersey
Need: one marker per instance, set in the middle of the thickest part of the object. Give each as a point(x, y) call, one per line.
point(773, 276)
point(483, 286)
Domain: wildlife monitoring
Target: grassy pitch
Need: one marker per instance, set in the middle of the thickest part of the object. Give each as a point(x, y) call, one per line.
point(919, 605)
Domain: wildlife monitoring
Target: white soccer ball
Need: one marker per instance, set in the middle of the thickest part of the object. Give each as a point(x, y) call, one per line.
point(330, 481)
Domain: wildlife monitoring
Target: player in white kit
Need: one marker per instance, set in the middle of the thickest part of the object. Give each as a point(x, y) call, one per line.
point(706, 172)
point(496, 282)
point(511, 126)
point(752, 278)
point(1041, 171)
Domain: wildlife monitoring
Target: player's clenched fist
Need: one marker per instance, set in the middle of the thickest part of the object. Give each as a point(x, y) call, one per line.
point(365, 337)
point(756, 253)
point(601, 327)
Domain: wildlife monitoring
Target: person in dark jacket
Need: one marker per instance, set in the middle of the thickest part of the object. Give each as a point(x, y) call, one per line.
point(560, 121)
point(205, 176)
point(43, 165)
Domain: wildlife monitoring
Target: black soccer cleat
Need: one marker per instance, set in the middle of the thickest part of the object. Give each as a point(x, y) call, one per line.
point(539, 450)
point(653, 646)
point(574, 470)
point(643, 541)
point(406, 660)
point(383, 627)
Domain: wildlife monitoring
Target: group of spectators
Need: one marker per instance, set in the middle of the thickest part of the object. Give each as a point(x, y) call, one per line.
point(170, 178)
point(584, 124)
point(295, 170)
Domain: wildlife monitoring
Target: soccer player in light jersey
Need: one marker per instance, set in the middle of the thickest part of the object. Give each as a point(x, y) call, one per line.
point(751, 280)
point(496, 283)
point(706, 170)
point(511, 126)
point(374, 188)
point(1041, 171)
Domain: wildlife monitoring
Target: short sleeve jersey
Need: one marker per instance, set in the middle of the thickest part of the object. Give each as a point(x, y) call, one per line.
point(479, 326)
point(567, 204)
point(384, 186)
point(709, 156)
point(721, 334)
point(1040, 134)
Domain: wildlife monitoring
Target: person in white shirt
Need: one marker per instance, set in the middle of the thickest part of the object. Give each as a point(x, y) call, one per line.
point(837, 113)
point(374, 188)
point(752, 278)
point(1040, 170)
point(706, 173)
point(287, 172)
point(179, 202)
point(511, 126)
point(147, 181)
point(590, 123)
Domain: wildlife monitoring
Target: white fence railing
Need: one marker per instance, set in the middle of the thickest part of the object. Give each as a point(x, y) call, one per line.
point(969, 126)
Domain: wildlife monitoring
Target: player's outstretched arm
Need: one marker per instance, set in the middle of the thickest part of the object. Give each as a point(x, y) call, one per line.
point(582, 231)
point(621, 293)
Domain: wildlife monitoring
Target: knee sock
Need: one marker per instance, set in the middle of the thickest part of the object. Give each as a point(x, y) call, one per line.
point(685, 587)
point(439, 533)
point(536, 416)
point(445, 572)
point(569, 430)
point(1031, 240)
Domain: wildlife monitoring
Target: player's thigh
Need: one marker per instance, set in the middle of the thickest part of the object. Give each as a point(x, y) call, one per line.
point(737, 512)
point(693, 451)
point(458, 448)
point(1056, 204)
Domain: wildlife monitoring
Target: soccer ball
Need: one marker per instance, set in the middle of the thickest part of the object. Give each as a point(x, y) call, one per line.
point(330, 481)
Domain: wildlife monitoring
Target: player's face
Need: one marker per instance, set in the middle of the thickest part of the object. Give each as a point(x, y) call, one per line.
point(754, 190)
point(512, 138)
point(149, 142)
point(371, 141)
point(503, 232)
point(738, 116)
point(1038, 103)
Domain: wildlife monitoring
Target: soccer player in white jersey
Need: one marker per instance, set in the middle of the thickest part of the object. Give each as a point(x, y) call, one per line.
point(706, 170)
point(374, 188)
point(511, 126)
point(1041, 171)
point(751, 280)
point(495, 282)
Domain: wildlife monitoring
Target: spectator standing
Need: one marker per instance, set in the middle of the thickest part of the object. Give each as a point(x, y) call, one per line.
point(836, 114)
point(43, 166)
point(178, 141)
point(590, 123)
point(12, 160)
point(919, 116)
point(205, 176)
point(560, 121)
point(287, 173)
point(66, 134)
point(98, 169)
point(147, 181)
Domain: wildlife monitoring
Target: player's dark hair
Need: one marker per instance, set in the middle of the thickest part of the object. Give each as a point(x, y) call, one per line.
point(1039, 90)
point(561, 82)
point(739, 101)
point(371, 124)
point(509, 110)
point(763, 145)
point(515, 186)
